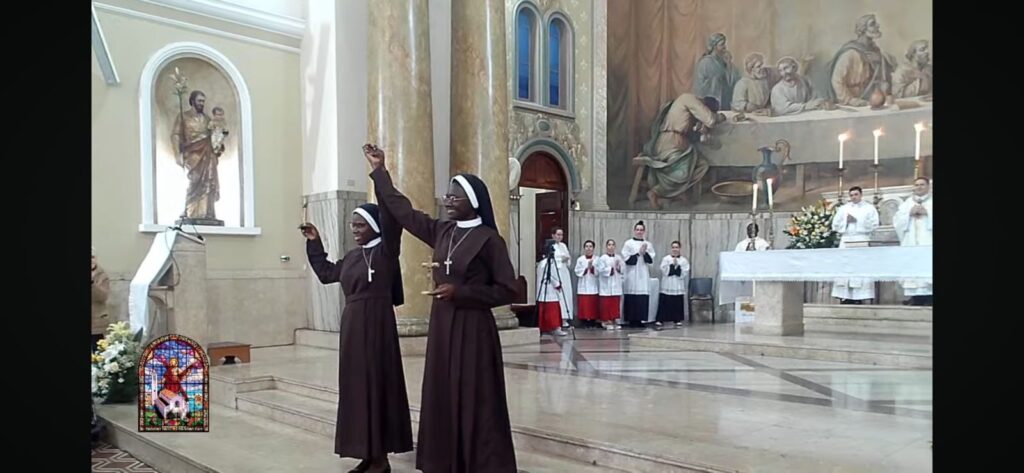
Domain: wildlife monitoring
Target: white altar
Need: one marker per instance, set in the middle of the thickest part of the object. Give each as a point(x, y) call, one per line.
point(780, 275)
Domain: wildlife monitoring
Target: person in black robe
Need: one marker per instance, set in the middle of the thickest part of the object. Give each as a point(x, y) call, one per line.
point(464, 423)
point(373, 407)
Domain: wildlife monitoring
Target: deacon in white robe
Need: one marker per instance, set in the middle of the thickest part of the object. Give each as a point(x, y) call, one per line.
point(562, 260)
point(610, 268)
point(913, 224)
point(854, 221)
point(638, 255)
point(586, 284)
point(675, 270)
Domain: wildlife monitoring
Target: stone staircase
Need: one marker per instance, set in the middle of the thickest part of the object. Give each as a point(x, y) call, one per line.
point(895, 320)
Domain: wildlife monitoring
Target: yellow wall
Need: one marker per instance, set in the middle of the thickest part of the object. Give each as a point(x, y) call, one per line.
point(273, 79)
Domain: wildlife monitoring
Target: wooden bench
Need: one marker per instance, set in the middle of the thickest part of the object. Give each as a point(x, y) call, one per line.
point(228, 351)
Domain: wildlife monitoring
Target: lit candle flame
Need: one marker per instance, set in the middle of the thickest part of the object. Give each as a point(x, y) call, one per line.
point(844, 137)
point(919, 127)
point(877, 132)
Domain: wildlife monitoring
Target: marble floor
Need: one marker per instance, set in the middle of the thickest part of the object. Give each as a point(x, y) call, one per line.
point(725, 411)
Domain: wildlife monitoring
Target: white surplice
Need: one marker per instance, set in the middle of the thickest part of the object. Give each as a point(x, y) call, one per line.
point(915, 231)
point(586, 283)
point(562, 259)
point(674, 285)
point(610, 278)
point(636, 276)
point(867, 222)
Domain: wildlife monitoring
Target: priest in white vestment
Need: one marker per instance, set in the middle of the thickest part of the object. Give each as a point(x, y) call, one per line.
point(913, 224)
point(752, 242)
point(562, 259)
point(638, 254)
point(854, 221)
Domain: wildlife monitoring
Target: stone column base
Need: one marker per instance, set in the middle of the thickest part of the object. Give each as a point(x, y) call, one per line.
point(413, 326)
point(505, 318)
point(780, 308)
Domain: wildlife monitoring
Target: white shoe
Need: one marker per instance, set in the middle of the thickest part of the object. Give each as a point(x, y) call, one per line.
point(560, 333)
point(611, 327)
point(679, 324)
point(657, 324)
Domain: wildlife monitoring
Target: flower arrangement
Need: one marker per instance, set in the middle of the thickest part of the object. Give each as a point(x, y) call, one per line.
point(114, 365)
point(812, 228)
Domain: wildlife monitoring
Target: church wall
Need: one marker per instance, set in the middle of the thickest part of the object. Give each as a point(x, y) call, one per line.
point(251, 288)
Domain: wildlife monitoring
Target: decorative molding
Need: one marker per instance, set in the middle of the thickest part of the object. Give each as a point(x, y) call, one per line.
point(240, 15)
point(147, 146)
point(194, 27)
point(203, 229)
point(560, 138)
point(99, 46)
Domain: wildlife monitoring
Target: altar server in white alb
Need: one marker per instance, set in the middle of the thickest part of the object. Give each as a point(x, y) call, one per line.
point(672, 298)
point(562, 259)
point(638, 254)
point(610, 267)
point(587, 285)
point(854, 221)
point(913, 224)
point(752, 242)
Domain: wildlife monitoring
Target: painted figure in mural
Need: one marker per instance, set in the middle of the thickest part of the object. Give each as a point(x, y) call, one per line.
point(753, 90)
point(173, 375)
point(794, 94)
point(913, 76)
point(715, 74)
point(860, 67)
point(671, 156)
point(191, 137)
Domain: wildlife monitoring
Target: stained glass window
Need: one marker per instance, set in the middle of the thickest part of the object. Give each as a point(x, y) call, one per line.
point(174, 386)
point(524, 54)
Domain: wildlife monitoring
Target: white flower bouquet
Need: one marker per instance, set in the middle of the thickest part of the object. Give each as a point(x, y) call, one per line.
point(115, 364)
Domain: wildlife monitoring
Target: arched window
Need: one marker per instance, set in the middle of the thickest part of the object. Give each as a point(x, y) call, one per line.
point(526, 62)
point(559, 63)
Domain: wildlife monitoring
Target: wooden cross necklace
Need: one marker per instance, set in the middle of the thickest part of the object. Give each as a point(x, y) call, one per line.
point(451, 249)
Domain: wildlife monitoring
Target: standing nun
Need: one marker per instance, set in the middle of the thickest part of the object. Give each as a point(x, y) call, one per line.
point(464, 424)
point(373, 408)
point(639, 255)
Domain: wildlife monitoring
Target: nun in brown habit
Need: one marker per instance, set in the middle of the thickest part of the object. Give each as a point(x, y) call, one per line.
point(464, 424)
point(373, 408)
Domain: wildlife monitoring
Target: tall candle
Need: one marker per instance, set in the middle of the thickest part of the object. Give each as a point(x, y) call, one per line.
point(753, 205)
point(877, 133)
point(771, 203)
point(842, 138)
point(918, 128)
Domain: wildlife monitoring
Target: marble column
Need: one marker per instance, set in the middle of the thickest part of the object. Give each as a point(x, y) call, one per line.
point(400, 121)
point(480, 107)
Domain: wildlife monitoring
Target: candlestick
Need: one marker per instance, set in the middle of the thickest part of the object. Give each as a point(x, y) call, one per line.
point(771, 202)
point(753, 205)
point(878, 196)
point(839, 198)
point(305, 209)
point(877, 133)
point(918, 128)
point(429, 267)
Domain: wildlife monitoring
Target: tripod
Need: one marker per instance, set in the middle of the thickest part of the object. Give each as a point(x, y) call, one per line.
point(543, 287)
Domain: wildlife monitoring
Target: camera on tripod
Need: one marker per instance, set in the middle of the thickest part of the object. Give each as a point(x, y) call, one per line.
point(549, 249)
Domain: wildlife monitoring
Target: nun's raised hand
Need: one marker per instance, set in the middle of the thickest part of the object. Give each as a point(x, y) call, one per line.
point(374, 155)
point(309, 231)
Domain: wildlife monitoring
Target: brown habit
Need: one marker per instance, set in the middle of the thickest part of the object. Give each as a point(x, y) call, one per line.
point(464, 425)
point(373, 407)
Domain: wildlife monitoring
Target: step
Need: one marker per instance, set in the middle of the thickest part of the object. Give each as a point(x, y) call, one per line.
point(875, 313)
point(318, 416)
point(411, 345)
point(244, 443)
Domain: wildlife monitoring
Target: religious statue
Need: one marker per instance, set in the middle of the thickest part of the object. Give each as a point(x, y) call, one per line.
point(198, 141)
